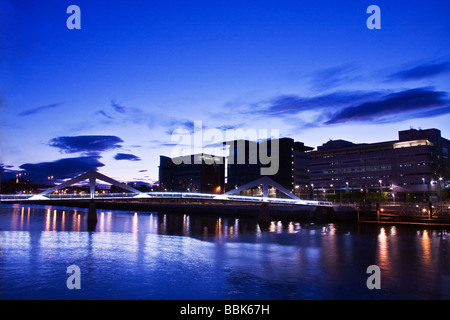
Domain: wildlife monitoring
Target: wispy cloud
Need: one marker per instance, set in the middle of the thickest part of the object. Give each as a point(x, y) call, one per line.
point(172, 124)
point(104, 114)
point(287, 105)
point(422, 71)
point(38, 109)
point(118, 108)
point(120, 114)
point(331, 78)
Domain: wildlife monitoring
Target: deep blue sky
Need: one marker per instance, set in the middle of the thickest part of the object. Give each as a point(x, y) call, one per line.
point(108, 96)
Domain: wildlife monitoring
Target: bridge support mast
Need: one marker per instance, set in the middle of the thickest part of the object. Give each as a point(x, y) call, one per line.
point(92, 213)
point(264, 215)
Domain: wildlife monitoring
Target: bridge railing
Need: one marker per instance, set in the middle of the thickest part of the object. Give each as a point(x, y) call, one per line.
point(114, 195)
point(165, 195)
point(67, 196)
point(15, 196)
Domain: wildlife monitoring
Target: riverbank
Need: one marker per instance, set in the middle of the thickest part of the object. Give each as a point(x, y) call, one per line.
point(423, 214)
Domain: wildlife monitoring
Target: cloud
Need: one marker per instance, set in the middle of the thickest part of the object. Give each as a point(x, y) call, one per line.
point(396, 106)
point(226, 127)
point(173, 124)
point(126, 156)
point(85, 144)
point(333, 77)
point(119, 114)
point(423, 71)
point(104, 114)
point(38, 109)
point(287, 105)
point(118, 108)
point(61, 169)
point(353, 106)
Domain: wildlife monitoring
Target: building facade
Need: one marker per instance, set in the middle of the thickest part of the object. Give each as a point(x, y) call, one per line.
point(195, 173)
point(417, 164)
point(244, 163)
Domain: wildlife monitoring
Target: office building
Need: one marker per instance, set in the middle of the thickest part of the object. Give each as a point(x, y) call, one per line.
point(417, 164)
point(200, 173)
point(246, 159)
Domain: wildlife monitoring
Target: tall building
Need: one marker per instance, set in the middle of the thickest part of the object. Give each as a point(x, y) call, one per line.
point(242, 163)
point(246, 159)
point(200, 173)
point(416, 163)
point(284, 160)
point(302, 163)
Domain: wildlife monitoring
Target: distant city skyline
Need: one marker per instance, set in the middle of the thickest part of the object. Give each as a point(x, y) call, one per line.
point(109, 95)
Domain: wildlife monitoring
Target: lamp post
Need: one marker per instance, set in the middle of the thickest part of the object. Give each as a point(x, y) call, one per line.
point(381, 189)
point(393, 193)
point(424, 189)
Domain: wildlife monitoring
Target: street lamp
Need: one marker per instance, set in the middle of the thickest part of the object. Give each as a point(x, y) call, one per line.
point(424, 189)
point(381, 189)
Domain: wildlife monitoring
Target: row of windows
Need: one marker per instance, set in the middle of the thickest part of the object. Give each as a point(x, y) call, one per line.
point(402, 155)
point(419, 174)
point(354, 169)
point(344, 180)
point(363, 151)
point(347, 153)
point(409, 155)
point(343, 162)
point(418, 164)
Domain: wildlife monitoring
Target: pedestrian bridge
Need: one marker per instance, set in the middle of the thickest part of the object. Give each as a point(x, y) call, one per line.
point(136, 195)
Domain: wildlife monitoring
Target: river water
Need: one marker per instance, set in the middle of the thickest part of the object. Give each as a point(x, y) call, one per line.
point(142, 255)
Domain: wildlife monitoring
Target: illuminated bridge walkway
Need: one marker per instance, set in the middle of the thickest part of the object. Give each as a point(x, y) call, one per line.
point(264, 207)
point(134, 194)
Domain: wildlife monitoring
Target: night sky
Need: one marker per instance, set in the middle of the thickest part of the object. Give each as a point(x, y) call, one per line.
point(109, 95)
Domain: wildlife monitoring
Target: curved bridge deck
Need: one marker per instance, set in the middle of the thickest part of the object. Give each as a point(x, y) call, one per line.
point(188, 196)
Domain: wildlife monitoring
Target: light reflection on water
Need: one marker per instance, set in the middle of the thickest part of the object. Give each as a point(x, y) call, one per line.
point(136, 255)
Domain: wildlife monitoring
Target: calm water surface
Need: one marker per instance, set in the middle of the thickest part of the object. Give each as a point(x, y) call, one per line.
point(140, 255)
